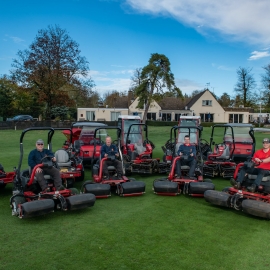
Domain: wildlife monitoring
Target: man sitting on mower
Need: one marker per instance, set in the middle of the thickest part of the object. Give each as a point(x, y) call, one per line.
point(262, 158)
point(110, 151)
point(189, 151)
point(35, 157)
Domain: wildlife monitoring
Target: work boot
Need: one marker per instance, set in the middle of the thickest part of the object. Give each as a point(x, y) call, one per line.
point(252, 188)
point(235, 184)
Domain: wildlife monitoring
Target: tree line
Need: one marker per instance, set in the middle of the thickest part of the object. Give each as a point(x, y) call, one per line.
point(52, 79)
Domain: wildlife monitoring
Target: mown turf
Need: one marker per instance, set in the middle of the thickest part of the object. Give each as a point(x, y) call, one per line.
point(147, 232)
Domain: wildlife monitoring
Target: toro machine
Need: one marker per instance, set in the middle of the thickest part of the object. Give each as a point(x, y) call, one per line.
point(239, 198)
point(137, 148)
point(237, 146)
point(121, 184)
point(68, 160)
point(28, 200)
point(5, 177)
point(83, 134)
point(192, 185)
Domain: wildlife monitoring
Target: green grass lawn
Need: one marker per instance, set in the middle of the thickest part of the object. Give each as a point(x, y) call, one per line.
point(146, 232)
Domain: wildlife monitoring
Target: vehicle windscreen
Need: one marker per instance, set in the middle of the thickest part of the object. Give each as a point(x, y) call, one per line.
point(241, 134)
point(87, 134)
point(192, 132)
point(135, 134)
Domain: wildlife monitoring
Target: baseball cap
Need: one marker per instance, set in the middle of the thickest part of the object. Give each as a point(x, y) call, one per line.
point(266, 140)
point(39, 141)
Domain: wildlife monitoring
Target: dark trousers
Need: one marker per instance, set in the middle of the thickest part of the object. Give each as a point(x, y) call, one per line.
point(191, 163)
point(53, 172)
point(116, 163)
point(259, 172)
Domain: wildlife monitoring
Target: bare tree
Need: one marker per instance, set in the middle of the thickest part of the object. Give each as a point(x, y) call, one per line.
point(245, 85)
point(265, 80)
point(51, 63)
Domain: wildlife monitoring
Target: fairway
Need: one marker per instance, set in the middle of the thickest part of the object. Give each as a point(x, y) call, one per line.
point(146, 232)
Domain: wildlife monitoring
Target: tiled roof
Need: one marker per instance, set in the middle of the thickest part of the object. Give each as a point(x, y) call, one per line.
point(171, 103)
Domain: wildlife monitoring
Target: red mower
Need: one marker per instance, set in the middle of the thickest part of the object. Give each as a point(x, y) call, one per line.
point(83, 135)
point(28, 200)
point(237, 146)
point(68, 160)
point(137, 149)
point(194, 186)
point(5, 177)
point(253, 203)
point(101, 186)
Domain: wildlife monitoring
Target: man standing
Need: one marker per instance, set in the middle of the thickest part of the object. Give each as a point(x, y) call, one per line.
point(188, 150)
point(35, 158)
point(261, 157)
point(109, 149)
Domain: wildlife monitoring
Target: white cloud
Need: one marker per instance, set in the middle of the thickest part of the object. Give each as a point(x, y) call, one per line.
point(188, 86)
point(15, 39)
point(243, 20)
point(258, 55)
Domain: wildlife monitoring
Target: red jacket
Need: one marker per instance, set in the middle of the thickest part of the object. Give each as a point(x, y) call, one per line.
point(262, 155)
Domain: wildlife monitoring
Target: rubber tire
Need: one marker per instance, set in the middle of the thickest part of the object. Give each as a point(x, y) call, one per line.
point(200, 187)
point(37, 208)
point(165, 186)
point(217, 198)
point(80, 201)
point(256, 208)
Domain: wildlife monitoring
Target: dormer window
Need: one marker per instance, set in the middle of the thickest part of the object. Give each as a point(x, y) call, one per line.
point(207, 102)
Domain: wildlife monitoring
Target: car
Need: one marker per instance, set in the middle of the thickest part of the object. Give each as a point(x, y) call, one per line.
point(21, 118)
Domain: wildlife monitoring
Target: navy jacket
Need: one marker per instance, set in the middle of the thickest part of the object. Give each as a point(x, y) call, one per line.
point(187, 150)
point(35, 157)
point(110, 150)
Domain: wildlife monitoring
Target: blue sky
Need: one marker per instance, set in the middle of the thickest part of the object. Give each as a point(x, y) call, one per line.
point(206, 41)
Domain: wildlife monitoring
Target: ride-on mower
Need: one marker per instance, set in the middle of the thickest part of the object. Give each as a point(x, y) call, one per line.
point(253, 203)
point(68, 160)
point(101, 186)
point(192, 185)
point(138, 149)
point(237, 145)
point(5, 177)
point(28, 200)
point(83, 134)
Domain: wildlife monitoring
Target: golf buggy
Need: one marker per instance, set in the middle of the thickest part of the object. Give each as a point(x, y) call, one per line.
point(29, 201)
point(68, 160)
point(195, 185)
point(83, 134)
point(237, 145)
point(101, 186)
point(5, 177)
point(138, 149)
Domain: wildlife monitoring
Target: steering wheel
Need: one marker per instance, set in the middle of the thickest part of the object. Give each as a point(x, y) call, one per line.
point(47, 161)
point(184, 157)
point(111, 157)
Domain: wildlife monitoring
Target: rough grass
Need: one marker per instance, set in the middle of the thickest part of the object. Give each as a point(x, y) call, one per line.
point(147, 232)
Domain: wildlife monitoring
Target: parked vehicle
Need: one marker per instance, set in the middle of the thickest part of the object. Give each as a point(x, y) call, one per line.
point(29, 201)
point(21, 118)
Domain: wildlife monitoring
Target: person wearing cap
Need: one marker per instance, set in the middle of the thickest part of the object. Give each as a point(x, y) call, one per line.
point(35, 158)
point(190, 151)
point(262, 158)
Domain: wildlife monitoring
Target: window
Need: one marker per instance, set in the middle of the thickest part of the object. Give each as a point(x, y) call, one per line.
point(151, 116)
point(207, 102)
point(114, 116)
point(207, 117)
point(177, 116)
point(236, 118)
point(166, 117)
point(90, 115)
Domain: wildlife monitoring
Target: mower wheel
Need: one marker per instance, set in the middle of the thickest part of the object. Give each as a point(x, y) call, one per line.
point(256, 208)
point(165, 186)
point(73, 191)
point(37, 208)
point(200, 187)
point(207, 180)
point(217, 197)
point(80, 201)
